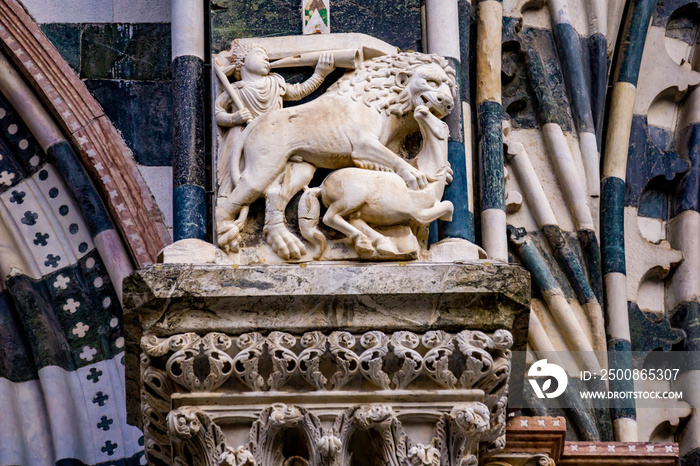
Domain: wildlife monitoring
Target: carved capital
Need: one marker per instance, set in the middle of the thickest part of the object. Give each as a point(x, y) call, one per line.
point(459, 433)
point(314, 361)
point(422, 455)
point(197, 441)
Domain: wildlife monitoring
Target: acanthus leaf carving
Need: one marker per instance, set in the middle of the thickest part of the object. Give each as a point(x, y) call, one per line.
point(284, 361)
point(200, 364)
point(267, 435)
point(423, 455)
point(348, 363)
point(372, 359)
point(437, 359)
point(310, 359)
point(197, 440)
point(480, 361)
point(340, 347)
point(404, 344)
point(238, 457)
point(388, 440)
point(247, 361)
point(459, 433)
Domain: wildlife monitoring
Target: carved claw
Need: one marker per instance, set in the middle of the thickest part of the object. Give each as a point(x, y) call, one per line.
point(228, 231)
point(414, 179)
point(228, 236)
point(283, 242)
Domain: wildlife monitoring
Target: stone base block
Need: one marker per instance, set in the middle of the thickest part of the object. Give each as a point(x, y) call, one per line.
point(306, 363)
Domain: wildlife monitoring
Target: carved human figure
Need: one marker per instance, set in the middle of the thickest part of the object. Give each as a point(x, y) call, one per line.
point(360, 121)
point(258, 91)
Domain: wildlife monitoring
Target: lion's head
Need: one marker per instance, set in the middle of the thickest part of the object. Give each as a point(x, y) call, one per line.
point(397, 84)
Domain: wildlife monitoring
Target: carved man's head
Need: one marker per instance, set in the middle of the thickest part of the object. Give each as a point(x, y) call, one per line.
point(239, 52)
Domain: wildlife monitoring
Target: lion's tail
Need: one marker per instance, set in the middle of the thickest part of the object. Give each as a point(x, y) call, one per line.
point(309, 213)
point(234, 167)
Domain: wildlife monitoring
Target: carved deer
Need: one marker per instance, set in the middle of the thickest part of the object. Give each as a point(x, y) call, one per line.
point(357, 198)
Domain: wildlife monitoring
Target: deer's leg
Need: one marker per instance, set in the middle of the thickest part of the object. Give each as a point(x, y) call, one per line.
point(442, 210)
point(334, 219)
point(381, 243)
point(372, 154)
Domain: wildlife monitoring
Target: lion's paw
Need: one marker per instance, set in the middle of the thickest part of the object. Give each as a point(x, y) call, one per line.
point(228, 234)
point(414, 179)
point(283, 242)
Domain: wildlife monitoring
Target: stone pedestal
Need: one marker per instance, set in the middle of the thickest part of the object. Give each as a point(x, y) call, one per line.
point(338, 364)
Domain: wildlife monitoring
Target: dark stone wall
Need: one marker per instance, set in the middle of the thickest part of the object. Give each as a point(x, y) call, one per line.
point(126, 66)
point(395, 22)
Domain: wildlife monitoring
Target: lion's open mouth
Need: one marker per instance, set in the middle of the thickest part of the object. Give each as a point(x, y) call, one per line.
point(436, 106)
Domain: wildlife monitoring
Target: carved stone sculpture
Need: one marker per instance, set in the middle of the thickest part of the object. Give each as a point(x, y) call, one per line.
point(360, 121)
point(319, 367)
point(359, 200)
point(362, 434)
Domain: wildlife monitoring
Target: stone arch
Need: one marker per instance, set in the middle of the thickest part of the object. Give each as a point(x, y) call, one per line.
point(100, 148)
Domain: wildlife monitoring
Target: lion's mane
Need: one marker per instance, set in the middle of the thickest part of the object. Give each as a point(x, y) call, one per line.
point(375, 82)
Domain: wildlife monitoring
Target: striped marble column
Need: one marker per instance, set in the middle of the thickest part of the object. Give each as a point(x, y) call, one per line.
point(612, 209)
point(489, 128)
point(549, 226)
point(61, 154)
point(189, 194)
point(598, 52)
point(684, 290)
point(567, 42)
point(444, 35)
point(556, 301)
point(572, 183)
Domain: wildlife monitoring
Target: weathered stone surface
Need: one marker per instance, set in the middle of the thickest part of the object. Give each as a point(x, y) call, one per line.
point(142, 111)
point(126, 51)
point(397, 23)
point(187, 251)
point(70, 11)
point(66, 38)
point(392, 296)
point(152, 11)
point(168, 299)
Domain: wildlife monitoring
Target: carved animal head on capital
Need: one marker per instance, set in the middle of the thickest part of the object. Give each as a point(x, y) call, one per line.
point(397, 84)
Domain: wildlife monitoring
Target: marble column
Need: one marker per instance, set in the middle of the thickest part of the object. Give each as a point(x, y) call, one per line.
point(598, 52)
point(447, 34)
point(684, 291)
point(567, 42)
point(189, 194)
point(489, 128)
point(612, 209)
point(572, 183)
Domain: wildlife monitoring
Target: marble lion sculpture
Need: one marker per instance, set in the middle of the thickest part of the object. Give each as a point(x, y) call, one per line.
point(356, 123)
point(358, 200)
